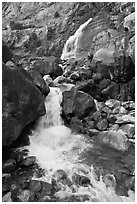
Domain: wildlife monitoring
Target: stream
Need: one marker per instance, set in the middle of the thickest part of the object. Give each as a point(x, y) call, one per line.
point(56, 147)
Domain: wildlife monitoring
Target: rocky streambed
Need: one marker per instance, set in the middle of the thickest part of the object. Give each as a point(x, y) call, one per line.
point(68, 113)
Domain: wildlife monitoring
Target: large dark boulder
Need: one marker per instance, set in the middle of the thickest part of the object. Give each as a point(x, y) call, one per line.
point(77, 103)
point(22, 103)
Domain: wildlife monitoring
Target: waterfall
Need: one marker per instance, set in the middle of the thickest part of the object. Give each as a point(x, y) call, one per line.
point(70, 47)
point(51, 142)
point(56, 147)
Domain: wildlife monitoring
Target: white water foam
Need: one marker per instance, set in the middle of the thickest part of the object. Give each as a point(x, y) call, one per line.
point(55, 147)
point(70, 47)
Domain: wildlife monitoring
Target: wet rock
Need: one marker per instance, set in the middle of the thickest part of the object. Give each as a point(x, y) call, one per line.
point(80, 180)
point(60, 181)
point(77, 103)
point(83, 104)
point(22, 103)
point(9, 166)
point(102, 124)
point(115, 139)
point(39, 82)
point(7, 197)
point(129, 129)
point(29, 161)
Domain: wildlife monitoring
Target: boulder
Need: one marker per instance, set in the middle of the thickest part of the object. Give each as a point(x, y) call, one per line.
point(22, 103)
point(83, 104)
point(77, 103)
point(115, 139)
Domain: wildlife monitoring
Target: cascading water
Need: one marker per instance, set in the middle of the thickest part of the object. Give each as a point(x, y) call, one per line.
point(70, 46)
point(56, 147)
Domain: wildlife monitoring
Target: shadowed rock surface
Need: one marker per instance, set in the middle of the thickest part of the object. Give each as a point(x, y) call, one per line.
point(22, 103)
